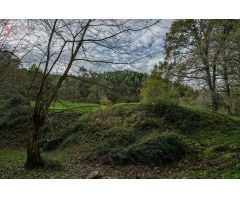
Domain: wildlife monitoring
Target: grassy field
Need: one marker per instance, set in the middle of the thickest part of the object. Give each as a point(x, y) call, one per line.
point(83, 107)
point(214, 139)
point(74, 106)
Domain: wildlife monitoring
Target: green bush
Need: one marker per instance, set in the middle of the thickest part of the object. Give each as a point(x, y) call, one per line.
point(85, 127)
point(118, 156)
point(121, 137)
point(14, 123)
point(14, 115)
point(160, 150)
point(117, 138)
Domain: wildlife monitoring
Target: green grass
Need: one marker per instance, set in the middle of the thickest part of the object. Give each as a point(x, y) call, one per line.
point(74, 106)
point(214, 138)
point(210, 163)
point(83, 107)
point(11, 158)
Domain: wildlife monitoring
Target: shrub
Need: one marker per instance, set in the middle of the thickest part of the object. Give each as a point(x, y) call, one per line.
point(117, 138)
point(14, 115)
point(14, 122)
point(121, 137)
point(118, 156)
point(160, 150)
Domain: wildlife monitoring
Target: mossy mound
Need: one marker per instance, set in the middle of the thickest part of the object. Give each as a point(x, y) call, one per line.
point(136, 134)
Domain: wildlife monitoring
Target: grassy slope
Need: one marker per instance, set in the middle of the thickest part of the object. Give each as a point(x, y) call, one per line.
point(74, 106)
point(217, 142)
point(79, 107)
point(85, 107)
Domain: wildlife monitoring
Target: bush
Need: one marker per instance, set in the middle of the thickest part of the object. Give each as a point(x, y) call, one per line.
point(116, 139)
point(14, 122)
point(160, 150)
point(14, 115)
point(88, 127)
point(118, 156)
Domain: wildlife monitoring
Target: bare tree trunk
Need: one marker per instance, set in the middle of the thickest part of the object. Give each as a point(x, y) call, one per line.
point(215, 100)
point(34, 159)
point(229, 101)
point(211, 80)
point(214, 95)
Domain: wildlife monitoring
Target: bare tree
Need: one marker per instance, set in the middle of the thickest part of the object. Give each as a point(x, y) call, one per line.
point(63, 45)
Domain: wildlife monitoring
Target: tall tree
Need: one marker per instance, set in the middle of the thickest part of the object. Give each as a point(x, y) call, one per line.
point(194, 48)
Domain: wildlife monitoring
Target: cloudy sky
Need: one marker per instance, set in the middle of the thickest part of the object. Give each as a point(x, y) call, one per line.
point(144, 46)
point(148, 43)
